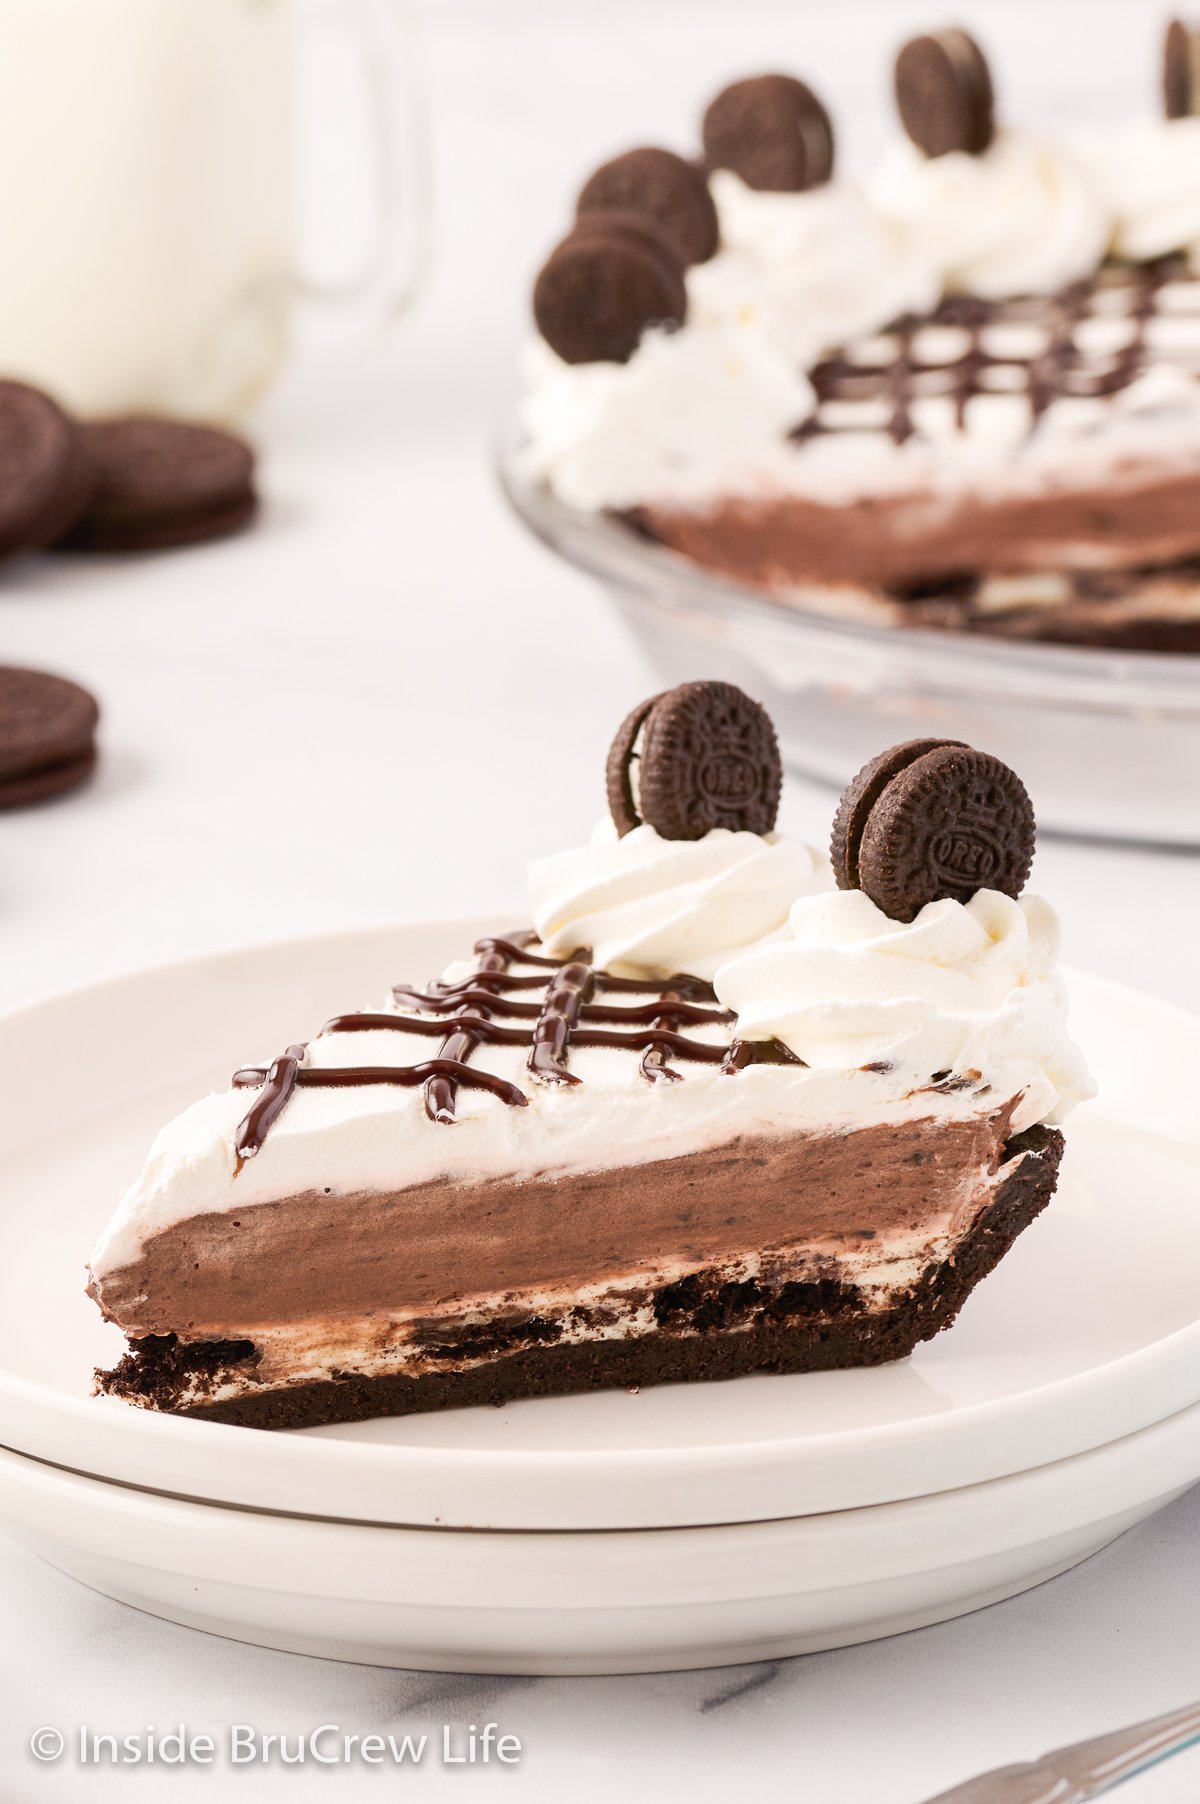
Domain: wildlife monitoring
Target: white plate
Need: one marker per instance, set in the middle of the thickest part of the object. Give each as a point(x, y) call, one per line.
point(636, 1601)
point(1089, 1330)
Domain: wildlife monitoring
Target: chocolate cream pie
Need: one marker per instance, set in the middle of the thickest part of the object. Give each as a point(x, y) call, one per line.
point(726, 1107)
point(962, 393)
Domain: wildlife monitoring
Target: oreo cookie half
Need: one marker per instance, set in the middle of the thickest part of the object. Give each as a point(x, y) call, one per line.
point(670, 194)
point(932, 819)
point(944, 94)
point(701, 756)
point(772, 131)
point(600, 289)
point(1181, 70)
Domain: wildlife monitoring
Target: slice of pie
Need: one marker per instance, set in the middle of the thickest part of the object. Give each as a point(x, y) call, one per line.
point(557, 1168)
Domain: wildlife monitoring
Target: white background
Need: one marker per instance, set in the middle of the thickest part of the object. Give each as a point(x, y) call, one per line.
point(357, 713)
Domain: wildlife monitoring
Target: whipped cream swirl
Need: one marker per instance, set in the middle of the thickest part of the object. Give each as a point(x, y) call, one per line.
point(1026, 217)
point(965, 988)
point(815, 268)
point(649, 906)
point(1149, 175)
point(691, 411)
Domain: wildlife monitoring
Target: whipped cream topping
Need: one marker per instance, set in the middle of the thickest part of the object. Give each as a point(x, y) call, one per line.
point(651, 907)
point(705, 407)
point(964, 988)
point(1026, 217)
point(710, 412)
point(1148, 173)
point(815, 268)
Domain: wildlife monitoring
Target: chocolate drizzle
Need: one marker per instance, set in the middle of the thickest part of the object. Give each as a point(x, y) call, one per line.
point(566, 994)
point(277, 1082)
point(1042, 348)
point(760, 1052)
point(479, 1010)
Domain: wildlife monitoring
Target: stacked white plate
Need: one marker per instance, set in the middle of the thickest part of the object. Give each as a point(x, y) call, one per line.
point(685, 1526)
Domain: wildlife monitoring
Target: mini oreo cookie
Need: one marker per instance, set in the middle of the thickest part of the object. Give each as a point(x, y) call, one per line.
point(46, 479)
point(600, 289)
point(1181, 70)
point(708, 757)
point(669, 193)
point(47, 735)
point(944, 94)
point(932, 819)
point(163, 482)
point(772, 131)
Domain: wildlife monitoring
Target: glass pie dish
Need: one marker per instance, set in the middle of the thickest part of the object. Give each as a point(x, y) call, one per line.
point(1108, 741)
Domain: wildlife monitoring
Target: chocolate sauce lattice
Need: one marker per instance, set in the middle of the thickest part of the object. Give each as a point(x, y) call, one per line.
point(551, 1007)
point(1086, 342)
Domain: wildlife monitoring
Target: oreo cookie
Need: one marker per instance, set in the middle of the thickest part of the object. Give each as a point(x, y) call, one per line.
point(772, 131)
point(670, 194)
point(47, 735)
point(601, 288)
point(944, 94)
point(1181, 70)
point(931, 819)
point(701, 756)
point(46, 478)
point(162, 482)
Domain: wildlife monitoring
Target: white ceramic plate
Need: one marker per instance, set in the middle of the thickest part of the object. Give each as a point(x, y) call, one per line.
point(637, 1601)
point(1089, 1331)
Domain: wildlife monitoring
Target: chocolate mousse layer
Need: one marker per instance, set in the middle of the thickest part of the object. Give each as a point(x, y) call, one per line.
point(1085, 346)
point(701, 1325)
point(428, 1249)
point(890, 541)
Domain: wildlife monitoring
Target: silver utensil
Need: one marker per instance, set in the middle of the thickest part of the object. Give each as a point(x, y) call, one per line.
point(1084, 1770)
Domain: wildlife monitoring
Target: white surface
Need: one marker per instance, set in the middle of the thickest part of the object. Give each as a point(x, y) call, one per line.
point(1083, 1335)
point(381, 607)
point(638, 1601)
